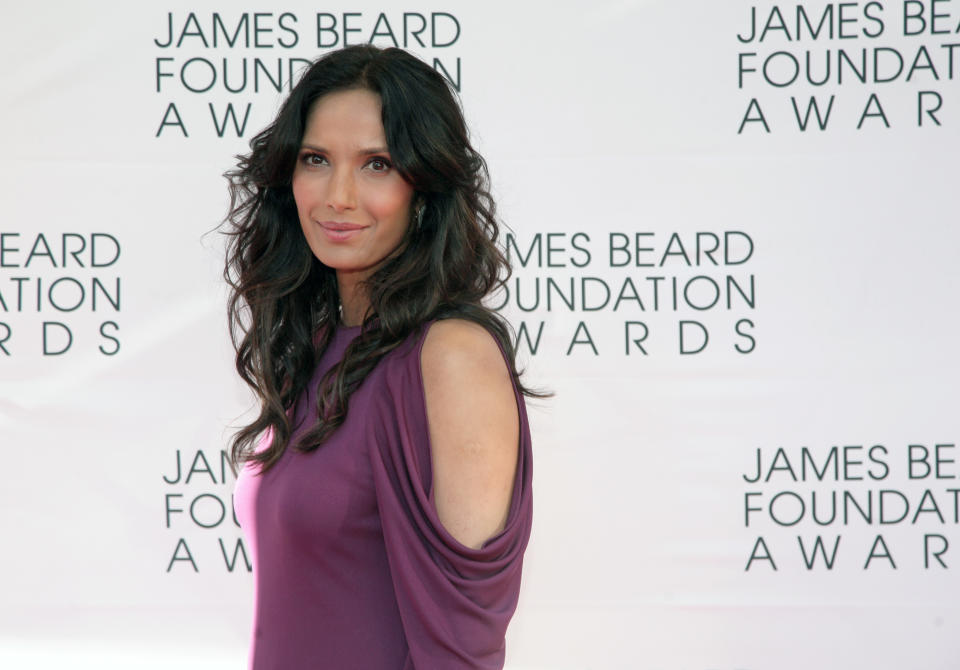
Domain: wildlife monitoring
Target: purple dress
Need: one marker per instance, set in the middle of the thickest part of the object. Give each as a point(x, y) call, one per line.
point(352, 566)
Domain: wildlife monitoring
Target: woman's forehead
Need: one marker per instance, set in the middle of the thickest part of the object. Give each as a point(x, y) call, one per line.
point(349, 119)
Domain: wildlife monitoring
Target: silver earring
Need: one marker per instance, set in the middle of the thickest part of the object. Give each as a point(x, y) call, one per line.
point(418, 215)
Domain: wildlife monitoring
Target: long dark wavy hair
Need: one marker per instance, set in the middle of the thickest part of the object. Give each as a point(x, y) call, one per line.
point(284, 303)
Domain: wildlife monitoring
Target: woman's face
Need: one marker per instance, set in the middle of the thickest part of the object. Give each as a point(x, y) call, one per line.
point(354, 207)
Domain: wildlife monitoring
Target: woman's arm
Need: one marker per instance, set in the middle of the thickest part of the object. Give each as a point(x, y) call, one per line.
point(474, 429)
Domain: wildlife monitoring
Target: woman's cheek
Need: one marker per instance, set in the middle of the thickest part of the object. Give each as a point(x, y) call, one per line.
point(299, 195)
point(392, 202)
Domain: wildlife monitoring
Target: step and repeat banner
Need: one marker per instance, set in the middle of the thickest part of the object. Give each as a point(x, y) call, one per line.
point(734, 234)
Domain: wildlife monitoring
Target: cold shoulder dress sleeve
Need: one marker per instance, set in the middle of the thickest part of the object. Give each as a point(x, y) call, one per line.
point(353, 568)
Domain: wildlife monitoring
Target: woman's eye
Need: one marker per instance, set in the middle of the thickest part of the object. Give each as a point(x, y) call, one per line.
point(379, 164)
point(313, 159)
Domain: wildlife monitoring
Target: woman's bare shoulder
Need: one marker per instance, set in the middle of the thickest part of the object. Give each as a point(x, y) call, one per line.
point(474, 428)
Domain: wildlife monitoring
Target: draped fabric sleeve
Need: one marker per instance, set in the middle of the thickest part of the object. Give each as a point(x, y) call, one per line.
point(455, 602)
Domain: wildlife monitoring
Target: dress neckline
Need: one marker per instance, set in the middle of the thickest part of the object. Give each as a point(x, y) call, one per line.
point(348, 330)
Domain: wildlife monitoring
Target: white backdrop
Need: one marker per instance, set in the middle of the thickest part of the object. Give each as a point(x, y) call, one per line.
point(810, 336)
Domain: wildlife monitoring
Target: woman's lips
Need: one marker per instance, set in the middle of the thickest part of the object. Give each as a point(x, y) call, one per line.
point(339, 231)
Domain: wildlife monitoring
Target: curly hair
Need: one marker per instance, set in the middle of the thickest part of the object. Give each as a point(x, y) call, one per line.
point(284, 302)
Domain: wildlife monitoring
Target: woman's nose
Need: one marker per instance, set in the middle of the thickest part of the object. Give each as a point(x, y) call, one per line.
point(342, 193)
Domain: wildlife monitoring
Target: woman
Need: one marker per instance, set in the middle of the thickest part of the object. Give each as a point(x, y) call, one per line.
point(387, 505)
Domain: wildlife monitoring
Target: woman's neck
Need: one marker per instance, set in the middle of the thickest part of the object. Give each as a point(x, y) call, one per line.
point(353, 303)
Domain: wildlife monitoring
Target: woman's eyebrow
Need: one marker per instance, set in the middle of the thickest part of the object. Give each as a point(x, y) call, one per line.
point(360, 152)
